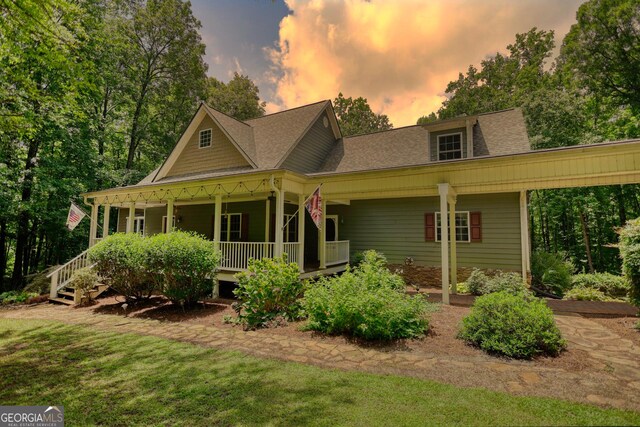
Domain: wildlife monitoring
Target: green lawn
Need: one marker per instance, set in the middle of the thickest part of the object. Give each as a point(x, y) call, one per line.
point(122, 379)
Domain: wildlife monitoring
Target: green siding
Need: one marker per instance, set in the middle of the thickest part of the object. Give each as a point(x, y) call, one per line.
point(396, 228)
point(313, 149)
point(153, 220)
point(123, 213)
point(433, 141)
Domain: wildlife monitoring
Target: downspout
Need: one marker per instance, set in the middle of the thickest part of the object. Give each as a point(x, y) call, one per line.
point(278, 247)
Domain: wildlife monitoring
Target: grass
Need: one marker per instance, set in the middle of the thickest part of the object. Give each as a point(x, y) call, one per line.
point(122, 379)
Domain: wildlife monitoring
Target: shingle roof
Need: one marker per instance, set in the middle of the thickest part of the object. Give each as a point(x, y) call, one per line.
point(397, 147)
point(501, 132)
point(275, 134)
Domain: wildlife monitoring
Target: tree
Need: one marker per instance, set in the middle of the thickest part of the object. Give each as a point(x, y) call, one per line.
point(355, 116)
point(432, 117)
point(239, 98)
point(603, 49)
point(165, 72)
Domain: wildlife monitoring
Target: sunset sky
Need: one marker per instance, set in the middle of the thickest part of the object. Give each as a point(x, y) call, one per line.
point(400, 55)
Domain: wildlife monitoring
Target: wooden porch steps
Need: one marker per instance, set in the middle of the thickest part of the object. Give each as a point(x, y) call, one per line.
point(67, 295)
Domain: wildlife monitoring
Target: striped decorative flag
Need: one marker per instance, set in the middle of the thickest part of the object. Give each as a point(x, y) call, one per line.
point(314, 207)
point(75, 216)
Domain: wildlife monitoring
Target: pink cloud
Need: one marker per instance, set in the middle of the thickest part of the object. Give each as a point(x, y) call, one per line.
point(400, 55)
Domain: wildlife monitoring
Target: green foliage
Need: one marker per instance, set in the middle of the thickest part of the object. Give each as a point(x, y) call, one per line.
point(630, 252)
point(271, 288)
point(479, 283)
point(84, 280)
point(184, 265)
point(368, 301)
point(551, 271)
point(355, 116)
point(121, 260)
point(16, 297)
point(585, 294)
point(512, 325)
point(238, 98)
point(610, 285)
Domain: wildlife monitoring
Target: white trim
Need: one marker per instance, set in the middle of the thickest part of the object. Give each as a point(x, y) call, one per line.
point(164, 223)
point(438, 145)
point(210, 130)
point(334, 218)
point(468, 226)
point(136, 221)
point(228, 230)
point(289, 222)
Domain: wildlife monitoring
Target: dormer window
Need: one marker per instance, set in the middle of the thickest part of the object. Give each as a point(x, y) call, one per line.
point(205, 138)
point(450, 146)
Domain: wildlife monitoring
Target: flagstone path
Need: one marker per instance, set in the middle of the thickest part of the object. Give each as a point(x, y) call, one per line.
point(612, 379)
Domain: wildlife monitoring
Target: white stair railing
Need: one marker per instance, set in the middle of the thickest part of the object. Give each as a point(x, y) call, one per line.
point(62, 275)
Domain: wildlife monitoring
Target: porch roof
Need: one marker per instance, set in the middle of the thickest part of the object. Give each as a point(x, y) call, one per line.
point(582, 165)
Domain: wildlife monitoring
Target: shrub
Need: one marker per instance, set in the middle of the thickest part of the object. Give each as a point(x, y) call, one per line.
point(609, 284)
point(270, 288)
point(550, 271)
point(585, 294)
point(121, 260)
point(183, 264)
point(368, 301)
point(83, 281)
point(630, 252)
point(16, 297)
point(372, 256)
point(479, 283)
point(517, 326)
point(39, 282)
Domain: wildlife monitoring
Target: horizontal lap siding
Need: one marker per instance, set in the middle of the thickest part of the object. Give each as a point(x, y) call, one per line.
point(396, 228)
point(123, 213)
point(313, 149)
point(153, 220)
point(222, 154)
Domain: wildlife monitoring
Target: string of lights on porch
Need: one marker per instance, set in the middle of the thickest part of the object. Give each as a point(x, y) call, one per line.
point(201, 192)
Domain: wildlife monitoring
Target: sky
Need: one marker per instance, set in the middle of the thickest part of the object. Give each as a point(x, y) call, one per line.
point(399, 54)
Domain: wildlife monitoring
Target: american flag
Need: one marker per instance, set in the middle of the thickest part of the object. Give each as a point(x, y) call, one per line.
point(75, 216)
point(314, 207)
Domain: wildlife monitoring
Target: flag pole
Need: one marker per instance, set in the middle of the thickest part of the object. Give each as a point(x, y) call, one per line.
point(298, 210)
point(87, 215)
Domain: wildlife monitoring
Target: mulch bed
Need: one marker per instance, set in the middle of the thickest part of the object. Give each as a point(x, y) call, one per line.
point(440, 340)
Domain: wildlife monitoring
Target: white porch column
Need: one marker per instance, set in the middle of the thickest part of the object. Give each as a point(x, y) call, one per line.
point(524, 235)
point(322, 236)
point(267, 219)
point(169, 216)
point(217, 221)
point(132, 217)
point(105, 220)
point(454, 254)
point(301, 218)
point(443, 189)
point(93, 227)
point(279, 246)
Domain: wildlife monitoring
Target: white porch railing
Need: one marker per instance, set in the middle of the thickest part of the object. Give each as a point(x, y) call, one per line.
point(291, 249)
point(61, 275)
point(337, 252)
point(235, 255)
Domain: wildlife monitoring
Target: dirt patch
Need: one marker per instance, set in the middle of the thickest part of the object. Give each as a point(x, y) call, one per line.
point(623, 326)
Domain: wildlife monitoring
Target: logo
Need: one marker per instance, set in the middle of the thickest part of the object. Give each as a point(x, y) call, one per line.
point(31, 416)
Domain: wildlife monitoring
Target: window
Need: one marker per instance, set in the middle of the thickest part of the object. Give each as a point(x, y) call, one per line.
point(205, 138)
point(231, 227)
point(164, 223)
point(450, 146)
point(462, 227)
point(290, 232)
point(138, 224)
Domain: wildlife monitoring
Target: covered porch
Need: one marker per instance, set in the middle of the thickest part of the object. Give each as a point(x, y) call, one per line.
point(261, 218)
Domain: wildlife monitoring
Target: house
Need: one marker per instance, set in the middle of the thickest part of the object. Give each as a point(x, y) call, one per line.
point(403, 192)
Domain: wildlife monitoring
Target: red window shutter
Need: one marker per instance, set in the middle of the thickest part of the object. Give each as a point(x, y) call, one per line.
point(244, 228)
point(430, 227)
point(476, 226)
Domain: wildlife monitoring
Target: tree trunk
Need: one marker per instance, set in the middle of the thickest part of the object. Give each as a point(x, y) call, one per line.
point(133, 136)
point(622, 211)
point(587, 244)
point(3, 251)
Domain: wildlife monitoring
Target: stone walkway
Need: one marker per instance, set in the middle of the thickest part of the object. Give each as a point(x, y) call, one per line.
point(615, 381)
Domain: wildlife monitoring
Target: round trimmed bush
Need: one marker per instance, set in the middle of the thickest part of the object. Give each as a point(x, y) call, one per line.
point(517, 326)
point(184, 265)
point(121, 260)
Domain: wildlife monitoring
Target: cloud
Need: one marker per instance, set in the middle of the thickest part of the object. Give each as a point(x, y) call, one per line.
point(400, 55)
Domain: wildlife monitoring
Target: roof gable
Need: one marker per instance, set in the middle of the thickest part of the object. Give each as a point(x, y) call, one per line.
point(226, 154)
